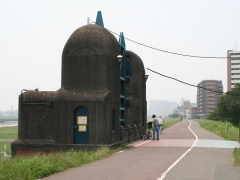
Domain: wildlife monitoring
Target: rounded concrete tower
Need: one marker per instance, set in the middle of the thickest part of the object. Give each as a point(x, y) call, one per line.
point(89, 60)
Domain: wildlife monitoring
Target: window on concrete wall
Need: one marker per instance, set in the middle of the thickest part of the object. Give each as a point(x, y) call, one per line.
point(113, 120)
point(128, 69)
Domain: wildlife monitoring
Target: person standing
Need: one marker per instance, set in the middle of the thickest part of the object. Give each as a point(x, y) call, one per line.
point(155, 129)
point(161, 122)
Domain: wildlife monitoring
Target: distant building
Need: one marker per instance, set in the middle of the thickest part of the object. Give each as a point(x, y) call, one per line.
point(181, 101)
point(193, 112)
point(207, 100)
point(178, 110)
point(193, 104)
point(186, 105)
point(161, 107)
point(233, 68)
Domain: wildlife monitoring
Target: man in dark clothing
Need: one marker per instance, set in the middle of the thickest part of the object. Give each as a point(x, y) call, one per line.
point(156, 128)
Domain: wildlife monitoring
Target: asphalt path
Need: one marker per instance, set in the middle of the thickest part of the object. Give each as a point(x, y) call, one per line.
point(185, 151)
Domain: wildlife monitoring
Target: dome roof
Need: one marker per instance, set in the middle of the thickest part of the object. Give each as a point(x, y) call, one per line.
point(91, 36)
point(90, 51)
point(136, 61)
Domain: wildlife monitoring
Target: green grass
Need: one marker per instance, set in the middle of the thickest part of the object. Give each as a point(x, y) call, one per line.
point(169, 122)
point(8, 147)
point(9, 132)
point(236, 155)
point(39, 166)
point(225, 130)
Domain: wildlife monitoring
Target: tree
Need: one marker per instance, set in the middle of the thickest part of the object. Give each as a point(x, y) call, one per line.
point(214, 115)
point(229, 106)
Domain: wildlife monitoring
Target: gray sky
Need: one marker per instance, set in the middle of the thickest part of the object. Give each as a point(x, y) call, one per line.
point(33, 35)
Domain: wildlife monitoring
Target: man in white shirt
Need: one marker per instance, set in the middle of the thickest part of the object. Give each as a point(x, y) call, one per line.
point(161, 120)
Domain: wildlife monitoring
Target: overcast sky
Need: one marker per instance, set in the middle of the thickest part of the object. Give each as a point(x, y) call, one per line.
point(33, 35)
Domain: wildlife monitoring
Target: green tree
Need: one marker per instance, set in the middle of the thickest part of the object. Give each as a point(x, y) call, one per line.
point(229, 106)
point(214, 115)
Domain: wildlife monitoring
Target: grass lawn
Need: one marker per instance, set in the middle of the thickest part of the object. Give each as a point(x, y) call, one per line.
point(39, 166)
point(223, 129)
point(9, 132)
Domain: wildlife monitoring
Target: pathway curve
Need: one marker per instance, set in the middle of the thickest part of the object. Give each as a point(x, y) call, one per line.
point(184, 151)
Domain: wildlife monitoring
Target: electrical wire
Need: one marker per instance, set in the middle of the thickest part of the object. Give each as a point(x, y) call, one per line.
point(185, 82)
point(186, 55)
point(220, 92)
point(169, 52)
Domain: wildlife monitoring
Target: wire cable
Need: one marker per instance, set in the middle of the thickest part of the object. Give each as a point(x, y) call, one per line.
point(193, 56)
point(185, 82)
point(169, 52)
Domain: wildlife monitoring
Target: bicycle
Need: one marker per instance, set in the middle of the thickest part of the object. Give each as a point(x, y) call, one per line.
point(147, 134)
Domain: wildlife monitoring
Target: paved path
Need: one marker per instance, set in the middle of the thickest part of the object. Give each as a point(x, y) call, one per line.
point(185, 151)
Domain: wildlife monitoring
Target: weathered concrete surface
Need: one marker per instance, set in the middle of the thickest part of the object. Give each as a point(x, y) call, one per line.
point(150, 159)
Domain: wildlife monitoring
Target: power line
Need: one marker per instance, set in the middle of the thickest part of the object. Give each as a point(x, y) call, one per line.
point(169, 52)
point(185, 82)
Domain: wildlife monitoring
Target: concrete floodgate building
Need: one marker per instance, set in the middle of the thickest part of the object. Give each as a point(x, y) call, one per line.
point(101, 102)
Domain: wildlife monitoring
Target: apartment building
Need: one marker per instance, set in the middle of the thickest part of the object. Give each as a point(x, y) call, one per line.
point(233, 68)
point(207, 100)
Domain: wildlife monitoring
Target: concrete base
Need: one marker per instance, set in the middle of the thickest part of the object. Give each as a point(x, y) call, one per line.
point(19, 148)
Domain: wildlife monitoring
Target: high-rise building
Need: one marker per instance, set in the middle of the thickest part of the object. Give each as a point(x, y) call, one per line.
point(233, 68)
point(207, 100)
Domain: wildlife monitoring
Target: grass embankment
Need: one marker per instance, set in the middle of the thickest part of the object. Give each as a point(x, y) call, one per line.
point(169, 122)
point(39, 166)
point(9, 132)
point(225, 130)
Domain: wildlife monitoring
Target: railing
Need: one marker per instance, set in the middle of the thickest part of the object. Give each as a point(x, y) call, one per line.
point(136, 132)
point(130, 134)
point(124, 134)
